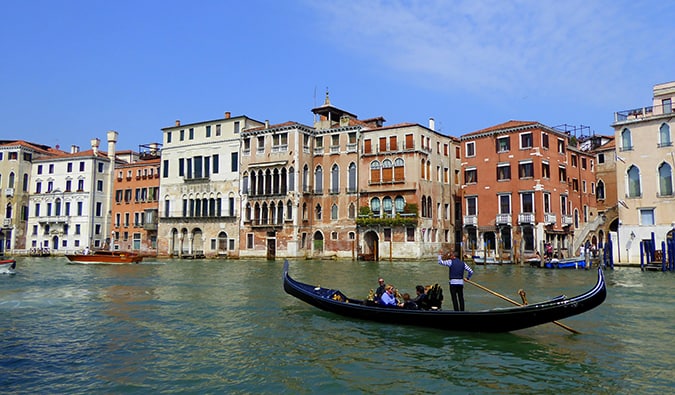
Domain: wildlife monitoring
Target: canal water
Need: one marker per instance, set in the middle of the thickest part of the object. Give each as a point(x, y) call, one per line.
point(208, 326)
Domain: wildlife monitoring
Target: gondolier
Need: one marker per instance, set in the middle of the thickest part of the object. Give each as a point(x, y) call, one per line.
point(456, 268)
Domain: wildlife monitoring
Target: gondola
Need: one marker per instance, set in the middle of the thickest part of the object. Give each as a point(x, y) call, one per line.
point(492, 320)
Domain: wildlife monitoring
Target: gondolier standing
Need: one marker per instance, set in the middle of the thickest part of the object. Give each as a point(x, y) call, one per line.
point(456, 268)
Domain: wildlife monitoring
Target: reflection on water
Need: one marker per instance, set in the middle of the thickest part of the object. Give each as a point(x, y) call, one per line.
point(227, 326)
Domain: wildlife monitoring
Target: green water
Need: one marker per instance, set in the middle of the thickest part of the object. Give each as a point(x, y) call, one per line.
point(228, 327)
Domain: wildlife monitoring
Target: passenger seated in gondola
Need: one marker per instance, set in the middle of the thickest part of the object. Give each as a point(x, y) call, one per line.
point(409, 303)
point(380, 289)
point(422, 300)
point(388, 299)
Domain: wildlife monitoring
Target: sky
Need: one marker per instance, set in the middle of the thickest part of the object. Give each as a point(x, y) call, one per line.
point(71, 70)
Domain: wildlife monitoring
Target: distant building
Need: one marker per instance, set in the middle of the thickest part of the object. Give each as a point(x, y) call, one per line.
point(136, 200)
point(646, 159)
point(199, 188)
point(524, 184)
point(70, 199)
point(16, 159)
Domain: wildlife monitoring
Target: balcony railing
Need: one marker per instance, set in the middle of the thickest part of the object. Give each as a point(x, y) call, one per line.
point(503, 219)
point(9, 192)
point(470, 220)
point(7, 223)
point(526, 218)
point(567, 220)
point(549, 219)
point(642, 113)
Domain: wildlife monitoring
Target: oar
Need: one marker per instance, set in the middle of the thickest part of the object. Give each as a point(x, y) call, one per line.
point(516, 303)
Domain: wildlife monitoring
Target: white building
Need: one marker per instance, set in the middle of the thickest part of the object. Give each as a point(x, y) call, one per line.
point(199, 188)
point(70, 199)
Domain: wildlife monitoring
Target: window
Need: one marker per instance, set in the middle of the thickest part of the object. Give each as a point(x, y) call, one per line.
point(503, 172)
point(375, 206)
point(335, 179)
point(317, 210)
point(472, 205)
point(526, 140)
point(375, 171)
point(547, 202)
point(525, 169)
point(470, 148)
point(583, 163)
point(634, 189)
point(544, 140)
point(208, 130)
point(601, 158)
point(168, 137)
point(410, 234)
point(399, 204)
point(334, 212)
point(471, 176)
point(600, 190)
point(318, 180)
point(215, 160)
point(574, 160)
point(504, 144)
point(387, 206)
point(562, 174)
point(504, 204)
point(664, 136)
point(665, 180)
point(249, 241)
point(99, 185)
point(235, 162)
point(51, 168)
point(527, 203)
point(667, 105)
point(647, 216)
point(351, 187)
point(561, 146)
point(545, 170)
point(626, 140)
point(39, 169)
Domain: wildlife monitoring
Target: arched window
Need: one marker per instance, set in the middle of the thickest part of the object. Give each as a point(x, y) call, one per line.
point(10, 182)
point(626, 140)
point(264, 214)
point(430, 208)
point(253, 183)
point(399, 204)
point(318, 180)
point(422, 170)
point(305, 179)
point(665, 179)
point(276, 184)
point(352, 211)
point(318, 211)
point(664, 136)
point(284, 181)
point(375, 206)
point(25, 182)
point(289, 210)
point(375, 174)
point(280, 212)
point(334, 212)
point(335, 179)
point(600, 190)
point(387, 170)
point(291, 179)
point(8, 210)
point(244, 184)
point(399, 169)
point(634, 182)
point(424, 206)
point(352, 178)
point(387, 206)
point(248, 211)
point(304, 211)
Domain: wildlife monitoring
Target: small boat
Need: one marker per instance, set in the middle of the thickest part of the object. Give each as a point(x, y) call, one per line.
point(492, 320)
point(567, 263)
point(100, 257)
point(479, 260)
point(7, 266)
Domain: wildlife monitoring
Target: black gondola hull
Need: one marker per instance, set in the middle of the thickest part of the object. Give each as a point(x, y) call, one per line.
point(494, 320)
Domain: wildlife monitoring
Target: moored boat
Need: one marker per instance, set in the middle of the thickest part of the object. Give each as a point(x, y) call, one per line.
point(7, 266)
point(567, 263)
point(492, 320)
point(105, 258)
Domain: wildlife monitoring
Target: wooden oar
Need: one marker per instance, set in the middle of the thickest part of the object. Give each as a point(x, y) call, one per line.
point(516, 303)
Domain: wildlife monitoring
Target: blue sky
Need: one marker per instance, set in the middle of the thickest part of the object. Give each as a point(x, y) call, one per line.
point(71, 70)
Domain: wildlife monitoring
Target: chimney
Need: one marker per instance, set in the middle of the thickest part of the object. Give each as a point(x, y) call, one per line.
point(94, 145)
point(177, 122)
point(154, 147)
point(74, 149)
point(432, 124)
point(227, 115)
point(112, 139)
point(267, 124)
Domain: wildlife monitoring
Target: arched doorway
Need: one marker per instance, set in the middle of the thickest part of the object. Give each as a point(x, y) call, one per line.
point(318, 243)
point(55, 243)
point(371, 244)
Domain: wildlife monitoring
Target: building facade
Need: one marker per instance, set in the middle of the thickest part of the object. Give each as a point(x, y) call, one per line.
point(525, 184)
point(199, 188)
point(70, 199)
point(136, 202)
point(16, 160)
point(646, 159)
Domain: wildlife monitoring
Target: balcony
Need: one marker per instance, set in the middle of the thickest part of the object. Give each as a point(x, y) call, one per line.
point(567, 220)
point(503, 219)
point(549, 219)
point(53, 219)
point(526, 218)
point(9, 192)
point(470, 220)
point(149, 226)
point(7, 223)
